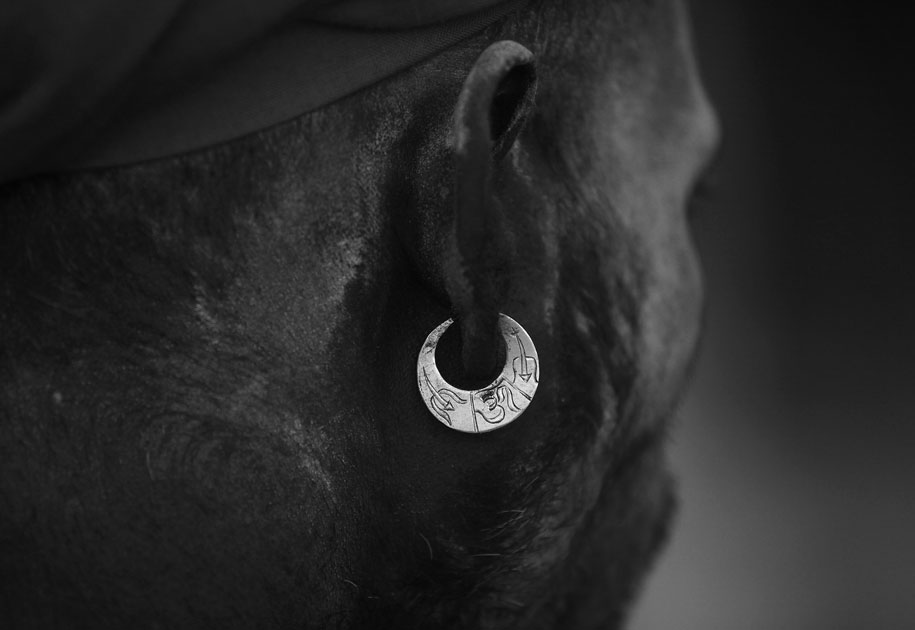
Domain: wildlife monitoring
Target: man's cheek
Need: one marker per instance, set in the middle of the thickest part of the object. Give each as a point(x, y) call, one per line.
point(671, 316)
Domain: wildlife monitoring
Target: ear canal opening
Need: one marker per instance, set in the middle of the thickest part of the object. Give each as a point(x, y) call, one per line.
point(511, 103)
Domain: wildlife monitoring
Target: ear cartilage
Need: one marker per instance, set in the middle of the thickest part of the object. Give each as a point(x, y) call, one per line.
point(492, 407)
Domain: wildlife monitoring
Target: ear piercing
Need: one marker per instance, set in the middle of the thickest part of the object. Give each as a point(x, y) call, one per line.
point(489, 408)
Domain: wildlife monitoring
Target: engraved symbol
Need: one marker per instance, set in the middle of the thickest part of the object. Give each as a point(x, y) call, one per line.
point(493, 399)
point(442, 400)
point(528, 364)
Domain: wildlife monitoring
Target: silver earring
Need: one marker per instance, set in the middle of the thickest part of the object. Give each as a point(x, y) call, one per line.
point(489, 408)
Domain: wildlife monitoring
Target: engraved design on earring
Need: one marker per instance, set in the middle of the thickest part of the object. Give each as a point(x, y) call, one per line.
point(489, 408)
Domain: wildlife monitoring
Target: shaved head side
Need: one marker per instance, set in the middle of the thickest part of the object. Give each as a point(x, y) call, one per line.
point(208, 406)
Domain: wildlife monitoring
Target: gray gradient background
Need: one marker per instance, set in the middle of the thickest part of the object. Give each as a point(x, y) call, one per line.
point(795, 447)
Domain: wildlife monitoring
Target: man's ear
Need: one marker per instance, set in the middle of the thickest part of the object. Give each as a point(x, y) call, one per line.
point(453, 228)
point(494, 103)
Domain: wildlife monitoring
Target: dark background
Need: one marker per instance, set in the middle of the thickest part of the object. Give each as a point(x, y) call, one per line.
point(796, 447)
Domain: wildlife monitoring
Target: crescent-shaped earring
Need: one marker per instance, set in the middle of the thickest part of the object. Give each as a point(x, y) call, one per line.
point(489, 408)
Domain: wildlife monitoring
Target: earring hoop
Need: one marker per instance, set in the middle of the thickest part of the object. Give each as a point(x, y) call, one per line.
point(492, 407)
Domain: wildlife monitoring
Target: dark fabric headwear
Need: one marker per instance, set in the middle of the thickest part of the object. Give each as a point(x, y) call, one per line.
point(104, 82)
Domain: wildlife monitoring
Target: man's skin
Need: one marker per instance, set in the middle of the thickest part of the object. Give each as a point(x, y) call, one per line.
point(209, 413)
